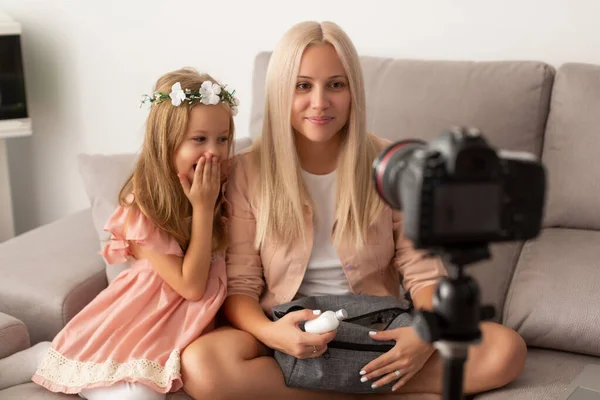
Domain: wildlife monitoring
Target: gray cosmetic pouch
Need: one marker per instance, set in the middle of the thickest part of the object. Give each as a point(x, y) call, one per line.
point(339, 367)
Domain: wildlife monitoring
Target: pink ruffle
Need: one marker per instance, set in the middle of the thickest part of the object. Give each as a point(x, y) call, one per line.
point(143, 231)
point(139, 229)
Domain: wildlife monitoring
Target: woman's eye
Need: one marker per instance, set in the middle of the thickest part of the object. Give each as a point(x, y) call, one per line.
point(303, 86)
point(200, 139)
point(337, 85)
point(223, 139)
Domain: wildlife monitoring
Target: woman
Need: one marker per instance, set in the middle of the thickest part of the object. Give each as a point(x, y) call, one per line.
point(302, 203)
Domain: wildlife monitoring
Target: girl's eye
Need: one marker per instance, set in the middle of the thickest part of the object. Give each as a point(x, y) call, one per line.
point(303, 86)
point(200, 139)
point(223, 139)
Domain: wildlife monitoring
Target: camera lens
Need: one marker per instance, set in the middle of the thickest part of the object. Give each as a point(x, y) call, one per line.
point(388, 167)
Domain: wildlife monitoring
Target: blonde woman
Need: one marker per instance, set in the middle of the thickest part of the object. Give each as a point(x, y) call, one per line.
point(126, 343)
point(302, 203)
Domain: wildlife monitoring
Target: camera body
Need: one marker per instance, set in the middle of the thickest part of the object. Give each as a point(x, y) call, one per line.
point(459, 191)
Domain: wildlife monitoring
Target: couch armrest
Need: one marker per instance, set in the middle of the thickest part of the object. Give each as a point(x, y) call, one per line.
point(14, 336)
point(49, 274)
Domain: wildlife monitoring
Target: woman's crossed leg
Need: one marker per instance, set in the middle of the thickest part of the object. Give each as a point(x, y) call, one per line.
point(231, 364)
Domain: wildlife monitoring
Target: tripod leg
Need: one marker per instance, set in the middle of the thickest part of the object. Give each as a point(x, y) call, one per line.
point(453, 378)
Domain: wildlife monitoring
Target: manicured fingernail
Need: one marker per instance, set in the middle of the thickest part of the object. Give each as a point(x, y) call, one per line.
point(363, 379)
point(363, 372)
point(372, 333)
point(394, 389)
point(373, 386)
point(316, 312)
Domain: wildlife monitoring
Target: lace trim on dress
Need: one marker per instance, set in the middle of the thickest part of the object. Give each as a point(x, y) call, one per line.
point(71, 373)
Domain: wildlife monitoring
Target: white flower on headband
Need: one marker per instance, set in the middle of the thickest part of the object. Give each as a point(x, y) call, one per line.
point(177, 95)
point(210, 93)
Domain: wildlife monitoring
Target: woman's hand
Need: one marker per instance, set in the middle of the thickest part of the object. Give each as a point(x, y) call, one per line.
point(400, 363)
point(285, 335)
point(204, 189)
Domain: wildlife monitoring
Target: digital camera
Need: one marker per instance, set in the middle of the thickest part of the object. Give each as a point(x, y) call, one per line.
point(459, 191)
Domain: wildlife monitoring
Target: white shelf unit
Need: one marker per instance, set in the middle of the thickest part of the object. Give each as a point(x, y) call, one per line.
point(10, 128)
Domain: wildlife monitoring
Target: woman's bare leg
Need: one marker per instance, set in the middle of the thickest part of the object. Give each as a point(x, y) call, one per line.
point(231, 364)
point(497, 361)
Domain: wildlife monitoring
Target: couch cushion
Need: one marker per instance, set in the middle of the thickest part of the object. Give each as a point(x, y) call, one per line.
point(14, 336)
point(553, 299)
point(494, 275)
point(103, 176)
point(571, 149)
point(508, 101)
point(36, 392)
point(33, 391)
point(547, 374)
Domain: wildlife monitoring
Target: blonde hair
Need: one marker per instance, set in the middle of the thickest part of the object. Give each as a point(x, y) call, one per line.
point(282, 191)
point(157, 190)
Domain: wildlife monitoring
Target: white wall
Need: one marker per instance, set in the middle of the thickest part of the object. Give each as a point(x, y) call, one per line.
point(88, 61)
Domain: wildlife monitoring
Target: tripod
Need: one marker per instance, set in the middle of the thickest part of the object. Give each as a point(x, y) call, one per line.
point(453, 325)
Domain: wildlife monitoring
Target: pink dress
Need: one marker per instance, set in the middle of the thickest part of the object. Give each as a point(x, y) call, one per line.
point(136, 328)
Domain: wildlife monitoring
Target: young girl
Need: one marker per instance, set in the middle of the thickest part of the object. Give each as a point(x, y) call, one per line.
point(126, 343)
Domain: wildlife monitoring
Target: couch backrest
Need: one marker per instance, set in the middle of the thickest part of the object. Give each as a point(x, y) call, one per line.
point(572, 149)
point(508, 101)
point(553, 298)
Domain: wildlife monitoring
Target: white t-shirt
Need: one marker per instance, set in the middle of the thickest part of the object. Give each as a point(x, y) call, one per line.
point(324, 274)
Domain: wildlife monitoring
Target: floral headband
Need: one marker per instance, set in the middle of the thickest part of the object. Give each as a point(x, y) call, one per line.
point(209, 93)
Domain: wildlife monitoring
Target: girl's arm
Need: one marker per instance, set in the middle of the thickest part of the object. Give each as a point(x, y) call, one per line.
point(187, 276)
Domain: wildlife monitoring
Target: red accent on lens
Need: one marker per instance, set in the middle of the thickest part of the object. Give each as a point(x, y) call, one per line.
point(384, 160)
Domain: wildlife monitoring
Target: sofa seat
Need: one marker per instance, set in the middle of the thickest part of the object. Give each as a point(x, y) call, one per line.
point(547, 374)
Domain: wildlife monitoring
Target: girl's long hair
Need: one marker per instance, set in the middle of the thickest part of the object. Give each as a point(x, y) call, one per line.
point(154, 182)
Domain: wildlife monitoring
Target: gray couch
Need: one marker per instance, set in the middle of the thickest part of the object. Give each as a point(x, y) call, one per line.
point(545, 289)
